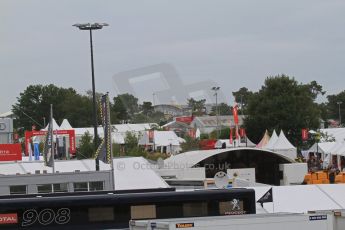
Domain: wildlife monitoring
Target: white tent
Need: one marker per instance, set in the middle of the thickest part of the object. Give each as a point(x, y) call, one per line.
point(247, 143)
point(65, 125)
point(264, 141)
point(55, 126)
point(303, 198)
point(284, 147)
point(128, 176)
point(272, 141)
point(337, 133)
point(162, 139)
point(197, 133)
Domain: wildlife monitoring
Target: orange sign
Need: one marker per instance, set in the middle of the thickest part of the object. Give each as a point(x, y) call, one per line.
point(9, 218)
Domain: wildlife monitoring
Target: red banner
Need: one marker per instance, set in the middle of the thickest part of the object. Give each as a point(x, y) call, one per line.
point(207, 144)
point(231, 139)
point(70, 133)
point(8, 218)
point(192, 133)
point(242, 132)
point(304, 134)
point(10, 152)
point(237, 134)
point(235, 114)
point(151, 135)
point(186, 120)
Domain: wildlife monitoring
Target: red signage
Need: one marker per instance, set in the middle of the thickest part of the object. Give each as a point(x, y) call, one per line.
point(70, 133)
point(186, 120)
point(9, 218)
point(151, 135)
point(304, 134)
point(242, 132)
point(192, 133)
point(207, 144)
point(235, 114)
point(10, 152)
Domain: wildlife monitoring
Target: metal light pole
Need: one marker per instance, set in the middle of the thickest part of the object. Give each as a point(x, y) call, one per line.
point(215, 89)
point(339, 103)
point(90, 27)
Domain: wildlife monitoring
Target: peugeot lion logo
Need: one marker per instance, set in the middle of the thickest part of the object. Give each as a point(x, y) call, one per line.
point(235, 204)
point(2, 126)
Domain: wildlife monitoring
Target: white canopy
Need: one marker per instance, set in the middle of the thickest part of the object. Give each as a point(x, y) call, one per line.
point(272, 141)
point(65, 125)
point(337, 133)
point(55, 126)
point(323, 147)
point(284, 147)
point(161, 138)
point(129, 176)
point(303, 198)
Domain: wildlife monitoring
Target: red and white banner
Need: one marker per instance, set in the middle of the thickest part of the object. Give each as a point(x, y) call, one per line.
point(70, 133)
point(192, 133)
point(9, 218)
point(231, 139)
point(235, 114)
point(237, 134)
point(304, 134)
point(151, 136)
point(242, 132)
point(186, 119)
point(10, 152)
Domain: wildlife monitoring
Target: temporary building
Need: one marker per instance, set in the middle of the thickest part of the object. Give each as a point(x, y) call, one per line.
point(303, 198)
point(165, 141)
point(325, 149)
point(284, 147)
point(264, 141)
point(337, 133)
point(272, 140)
point(134, 173)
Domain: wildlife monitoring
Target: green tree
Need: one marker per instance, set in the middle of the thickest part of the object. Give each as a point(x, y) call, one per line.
point(33, 106)
point(147, 108)
point(223, 134)
point(190, 144)
point(197, 106)
point(282, 103)
point(86, 147)
point(333, 106)
point(131, 145)
point(242, 96)
point(223, 109)
point(125, 106)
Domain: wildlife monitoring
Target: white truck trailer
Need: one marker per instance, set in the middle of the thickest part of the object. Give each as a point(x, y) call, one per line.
point(315, 221)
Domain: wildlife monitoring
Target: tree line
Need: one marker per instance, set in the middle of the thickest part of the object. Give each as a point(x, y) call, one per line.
point(282, 103)
point(33, 106)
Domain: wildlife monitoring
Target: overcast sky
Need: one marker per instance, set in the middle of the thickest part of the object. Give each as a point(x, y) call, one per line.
point(226, 43)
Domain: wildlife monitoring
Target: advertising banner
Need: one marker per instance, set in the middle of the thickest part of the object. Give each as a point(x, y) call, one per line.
point(10, 152)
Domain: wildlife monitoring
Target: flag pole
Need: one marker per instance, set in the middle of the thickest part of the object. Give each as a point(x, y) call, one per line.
point(51, 134)
point(272, 200)
point(111, 145)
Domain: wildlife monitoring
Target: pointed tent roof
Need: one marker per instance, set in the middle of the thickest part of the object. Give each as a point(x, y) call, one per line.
point(250, 143)
point(55, 126)
point(65, 125)
point(264, 141)
point(272, 141)
point(282, 143)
